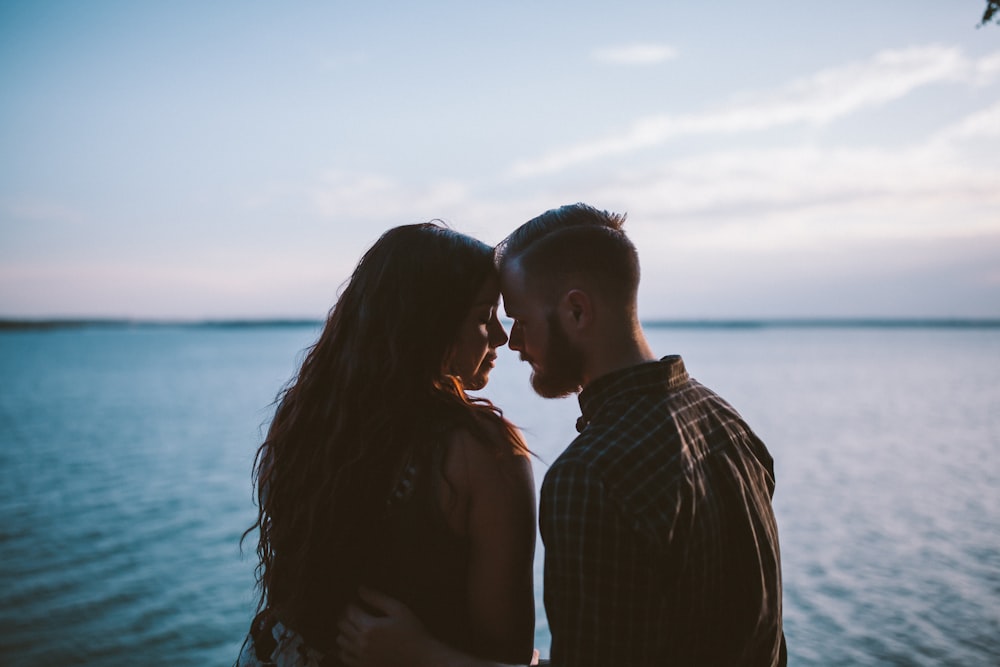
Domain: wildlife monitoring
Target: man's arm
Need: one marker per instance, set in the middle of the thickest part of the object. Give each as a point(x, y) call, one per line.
point(390, 635)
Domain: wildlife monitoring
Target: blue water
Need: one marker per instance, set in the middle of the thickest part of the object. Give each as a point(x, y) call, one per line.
point(125, 455)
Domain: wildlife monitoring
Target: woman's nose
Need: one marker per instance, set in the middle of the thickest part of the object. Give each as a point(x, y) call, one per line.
point(497, 334)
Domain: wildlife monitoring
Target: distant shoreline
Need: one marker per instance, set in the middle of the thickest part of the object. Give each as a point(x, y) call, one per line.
point(55, 323)
point(13, 324)
point(830, 323)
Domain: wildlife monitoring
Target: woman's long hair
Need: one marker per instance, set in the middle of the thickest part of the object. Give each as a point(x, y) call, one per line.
point(372, 387)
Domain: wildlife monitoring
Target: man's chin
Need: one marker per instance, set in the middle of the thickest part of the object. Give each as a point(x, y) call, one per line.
point(547, 388)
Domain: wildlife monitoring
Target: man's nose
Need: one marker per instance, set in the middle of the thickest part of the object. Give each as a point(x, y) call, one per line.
point(516, 341)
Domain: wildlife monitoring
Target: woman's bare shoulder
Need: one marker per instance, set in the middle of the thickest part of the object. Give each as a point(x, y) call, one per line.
point(484, 455)
point(481, 472)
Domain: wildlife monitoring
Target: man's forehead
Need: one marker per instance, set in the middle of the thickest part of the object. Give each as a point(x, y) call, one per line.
point(510, 300)
point(512, 281)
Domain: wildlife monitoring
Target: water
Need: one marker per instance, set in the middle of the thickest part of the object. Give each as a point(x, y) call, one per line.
point(126, 454)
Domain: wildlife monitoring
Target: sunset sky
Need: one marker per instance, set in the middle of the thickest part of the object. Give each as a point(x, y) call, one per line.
point(234, 159)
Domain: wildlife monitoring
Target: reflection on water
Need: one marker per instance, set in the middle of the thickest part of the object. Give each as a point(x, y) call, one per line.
point(126, 455)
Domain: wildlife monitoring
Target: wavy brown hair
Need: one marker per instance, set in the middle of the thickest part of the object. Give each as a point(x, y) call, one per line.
point(371, 389)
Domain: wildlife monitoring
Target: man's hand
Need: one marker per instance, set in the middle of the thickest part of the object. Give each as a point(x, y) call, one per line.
point(387, 634)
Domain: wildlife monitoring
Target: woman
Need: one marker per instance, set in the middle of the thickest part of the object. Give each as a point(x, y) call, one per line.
point(379, 470)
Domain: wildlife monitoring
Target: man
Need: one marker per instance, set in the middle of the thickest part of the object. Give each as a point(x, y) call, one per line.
point(661, 546)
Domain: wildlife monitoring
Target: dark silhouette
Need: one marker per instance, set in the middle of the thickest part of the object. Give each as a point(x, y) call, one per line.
point(661, 545)
point(379, 470)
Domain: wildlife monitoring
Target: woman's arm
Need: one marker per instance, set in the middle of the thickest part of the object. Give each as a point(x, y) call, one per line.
point(495, 510)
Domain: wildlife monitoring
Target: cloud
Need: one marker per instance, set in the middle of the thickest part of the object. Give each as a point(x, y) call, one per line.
point(819, 99)
point(868, 190)
point(745, 200)
point(741, 202)
point(987, 69)
point(635, 54)
point(984, 124)
point(739, 197)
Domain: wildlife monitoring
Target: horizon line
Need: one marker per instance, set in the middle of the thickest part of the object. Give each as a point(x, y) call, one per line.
point(842, 322)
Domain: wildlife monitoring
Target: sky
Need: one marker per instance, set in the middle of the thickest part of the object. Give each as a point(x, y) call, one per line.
point(189, 160)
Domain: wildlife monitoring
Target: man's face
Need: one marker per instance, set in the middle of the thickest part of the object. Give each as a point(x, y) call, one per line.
point(556, 364)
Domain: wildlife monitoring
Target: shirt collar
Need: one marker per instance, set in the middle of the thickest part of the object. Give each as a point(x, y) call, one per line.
point(668, 372)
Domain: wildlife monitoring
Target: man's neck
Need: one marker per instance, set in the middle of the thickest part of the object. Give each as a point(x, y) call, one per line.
point(627, 351)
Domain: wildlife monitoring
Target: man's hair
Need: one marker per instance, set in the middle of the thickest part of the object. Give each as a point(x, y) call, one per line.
point(576, 240)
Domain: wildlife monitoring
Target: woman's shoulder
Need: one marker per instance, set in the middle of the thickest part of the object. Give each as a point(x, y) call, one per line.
point(477, 456)
point(486, 436)
point(482, 471)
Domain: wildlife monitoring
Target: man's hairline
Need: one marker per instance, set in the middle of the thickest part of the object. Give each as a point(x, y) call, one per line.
point(557, 288)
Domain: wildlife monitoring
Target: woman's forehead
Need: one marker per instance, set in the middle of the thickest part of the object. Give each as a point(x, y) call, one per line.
point(489, 292)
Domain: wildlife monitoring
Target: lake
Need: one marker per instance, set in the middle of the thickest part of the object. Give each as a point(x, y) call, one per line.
point(126, 454)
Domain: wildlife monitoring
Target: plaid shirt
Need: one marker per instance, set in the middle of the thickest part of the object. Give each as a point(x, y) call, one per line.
point(661, 546)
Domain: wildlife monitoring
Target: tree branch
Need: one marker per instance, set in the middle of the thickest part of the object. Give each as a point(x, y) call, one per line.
point(992, 7)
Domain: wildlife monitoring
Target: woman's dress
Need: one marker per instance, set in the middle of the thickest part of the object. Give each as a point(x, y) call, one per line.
point(415, 558)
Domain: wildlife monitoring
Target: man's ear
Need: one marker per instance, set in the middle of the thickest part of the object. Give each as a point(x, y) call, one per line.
point(576, 310)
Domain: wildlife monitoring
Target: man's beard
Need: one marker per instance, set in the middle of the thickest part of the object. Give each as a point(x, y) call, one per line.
point(563, 371)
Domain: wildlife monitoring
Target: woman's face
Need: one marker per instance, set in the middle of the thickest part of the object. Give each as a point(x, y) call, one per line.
point(479, 335)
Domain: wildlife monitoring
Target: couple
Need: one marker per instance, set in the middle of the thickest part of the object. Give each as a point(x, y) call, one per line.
point(396, 512)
